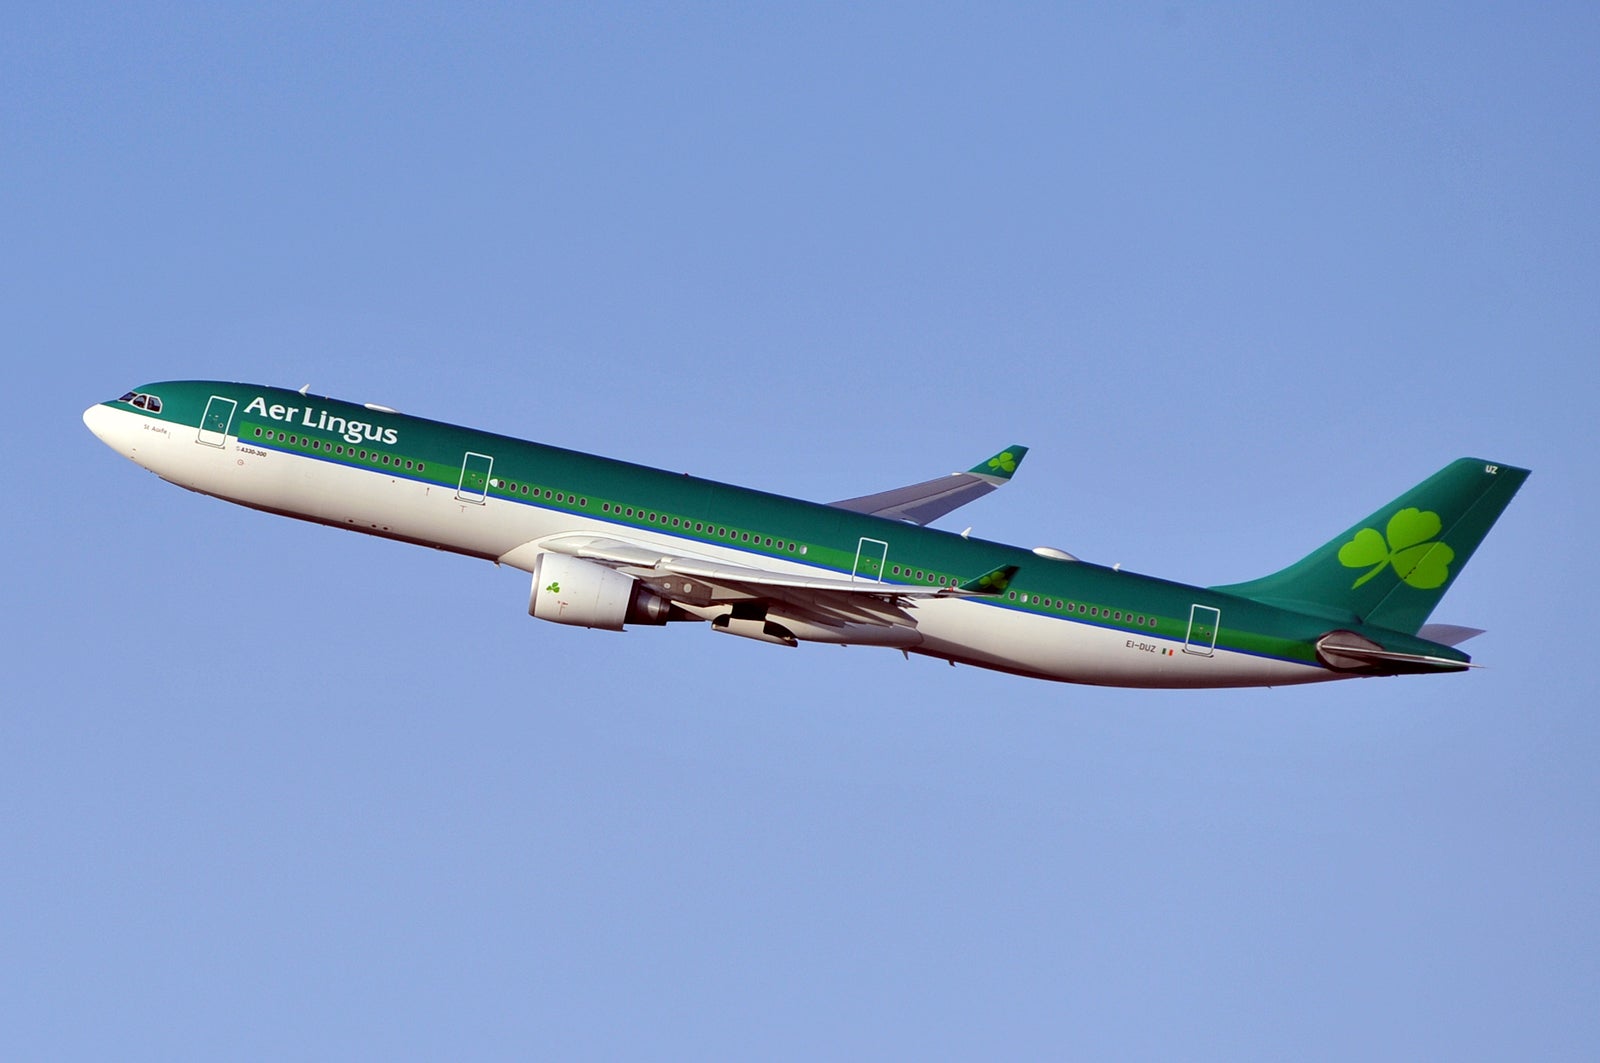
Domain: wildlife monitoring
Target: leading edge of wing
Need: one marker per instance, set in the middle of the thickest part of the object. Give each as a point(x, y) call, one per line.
point(621, 553)
point(926, 502)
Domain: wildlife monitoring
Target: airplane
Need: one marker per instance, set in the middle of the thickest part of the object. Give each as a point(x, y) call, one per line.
point(610, 544)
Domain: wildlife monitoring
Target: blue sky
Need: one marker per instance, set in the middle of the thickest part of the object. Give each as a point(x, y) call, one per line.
point(1237, 275)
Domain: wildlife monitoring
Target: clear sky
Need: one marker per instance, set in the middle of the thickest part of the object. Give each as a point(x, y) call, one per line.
point(1238, 274)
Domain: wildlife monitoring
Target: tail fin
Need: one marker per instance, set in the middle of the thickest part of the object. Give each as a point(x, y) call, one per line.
point(1392, 568)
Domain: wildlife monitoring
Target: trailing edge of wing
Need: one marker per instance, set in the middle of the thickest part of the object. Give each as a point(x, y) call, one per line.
point(717, 572)
point(926, 502)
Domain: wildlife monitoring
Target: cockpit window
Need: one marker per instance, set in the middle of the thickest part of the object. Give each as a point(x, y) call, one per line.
point(143, 401)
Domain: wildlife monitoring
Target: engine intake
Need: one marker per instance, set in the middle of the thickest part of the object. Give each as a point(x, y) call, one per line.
point(568, 590)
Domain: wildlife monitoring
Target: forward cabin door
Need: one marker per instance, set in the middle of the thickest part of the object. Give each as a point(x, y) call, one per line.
point(474, 484)
point(216, 422)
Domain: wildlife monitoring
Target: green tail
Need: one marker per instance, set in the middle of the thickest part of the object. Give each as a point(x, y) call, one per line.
point(1393, 567)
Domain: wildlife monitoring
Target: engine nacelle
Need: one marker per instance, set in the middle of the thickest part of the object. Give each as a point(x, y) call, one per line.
point(568, 590)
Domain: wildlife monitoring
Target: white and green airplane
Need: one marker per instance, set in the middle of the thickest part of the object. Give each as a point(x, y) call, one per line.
point(611, 544)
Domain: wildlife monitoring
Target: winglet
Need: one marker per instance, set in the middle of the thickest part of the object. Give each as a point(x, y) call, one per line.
point(994, 582)
point(1001, 467)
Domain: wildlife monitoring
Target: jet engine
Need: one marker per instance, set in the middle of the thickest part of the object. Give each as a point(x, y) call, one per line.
point(567, 590)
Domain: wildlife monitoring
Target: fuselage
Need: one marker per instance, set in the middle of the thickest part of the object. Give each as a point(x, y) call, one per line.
point(376, 471)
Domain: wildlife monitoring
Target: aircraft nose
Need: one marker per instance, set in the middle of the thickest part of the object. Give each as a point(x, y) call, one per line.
point(107, 425)
point(95, 418)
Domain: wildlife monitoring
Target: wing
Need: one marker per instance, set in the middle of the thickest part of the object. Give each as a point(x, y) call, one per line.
point(706, 586)
point(926, 502)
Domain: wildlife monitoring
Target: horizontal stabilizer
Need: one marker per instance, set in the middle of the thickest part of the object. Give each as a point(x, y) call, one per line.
point(1448, 634)
point(1345, 651)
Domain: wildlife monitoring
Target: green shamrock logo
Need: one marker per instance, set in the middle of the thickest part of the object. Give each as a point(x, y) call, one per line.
point(1418, 559)
point(554, 588)
point(996, 581)
point(1005, 462)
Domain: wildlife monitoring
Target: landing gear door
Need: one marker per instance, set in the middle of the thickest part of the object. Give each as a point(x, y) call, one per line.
point(216, 422)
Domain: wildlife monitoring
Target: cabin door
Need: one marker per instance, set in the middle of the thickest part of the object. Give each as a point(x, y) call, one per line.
point(870, 557)
point(474, 484)
point(1203, 623)
point(216, 422)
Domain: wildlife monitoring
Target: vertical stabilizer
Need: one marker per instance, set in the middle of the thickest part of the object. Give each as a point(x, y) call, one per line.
point(1392, 568)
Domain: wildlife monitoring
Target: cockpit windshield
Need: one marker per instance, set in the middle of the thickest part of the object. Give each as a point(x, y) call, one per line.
point(143, 401)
